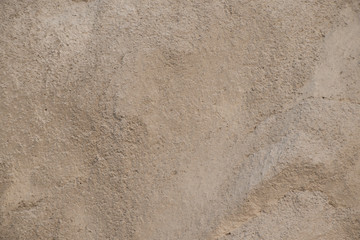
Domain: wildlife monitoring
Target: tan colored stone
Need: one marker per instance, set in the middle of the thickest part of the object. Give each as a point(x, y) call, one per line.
point(164, 119)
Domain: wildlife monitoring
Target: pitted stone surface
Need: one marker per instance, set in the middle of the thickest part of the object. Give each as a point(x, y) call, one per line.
point(164, 119)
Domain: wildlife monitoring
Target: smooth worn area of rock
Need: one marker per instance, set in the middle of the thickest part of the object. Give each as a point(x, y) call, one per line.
point(180, 120)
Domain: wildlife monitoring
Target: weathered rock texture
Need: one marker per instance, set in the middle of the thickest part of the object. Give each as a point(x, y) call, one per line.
point(169, 120)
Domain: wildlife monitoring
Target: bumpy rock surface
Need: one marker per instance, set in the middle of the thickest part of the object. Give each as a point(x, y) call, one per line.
point(180, 120)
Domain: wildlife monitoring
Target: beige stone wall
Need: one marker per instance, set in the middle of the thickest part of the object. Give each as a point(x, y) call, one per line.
point(180, 120)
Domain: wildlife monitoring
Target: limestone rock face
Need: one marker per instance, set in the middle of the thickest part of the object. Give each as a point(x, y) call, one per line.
point(180, 120)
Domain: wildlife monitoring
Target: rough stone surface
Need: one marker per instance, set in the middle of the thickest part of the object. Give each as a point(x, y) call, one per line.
point(167, 119)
